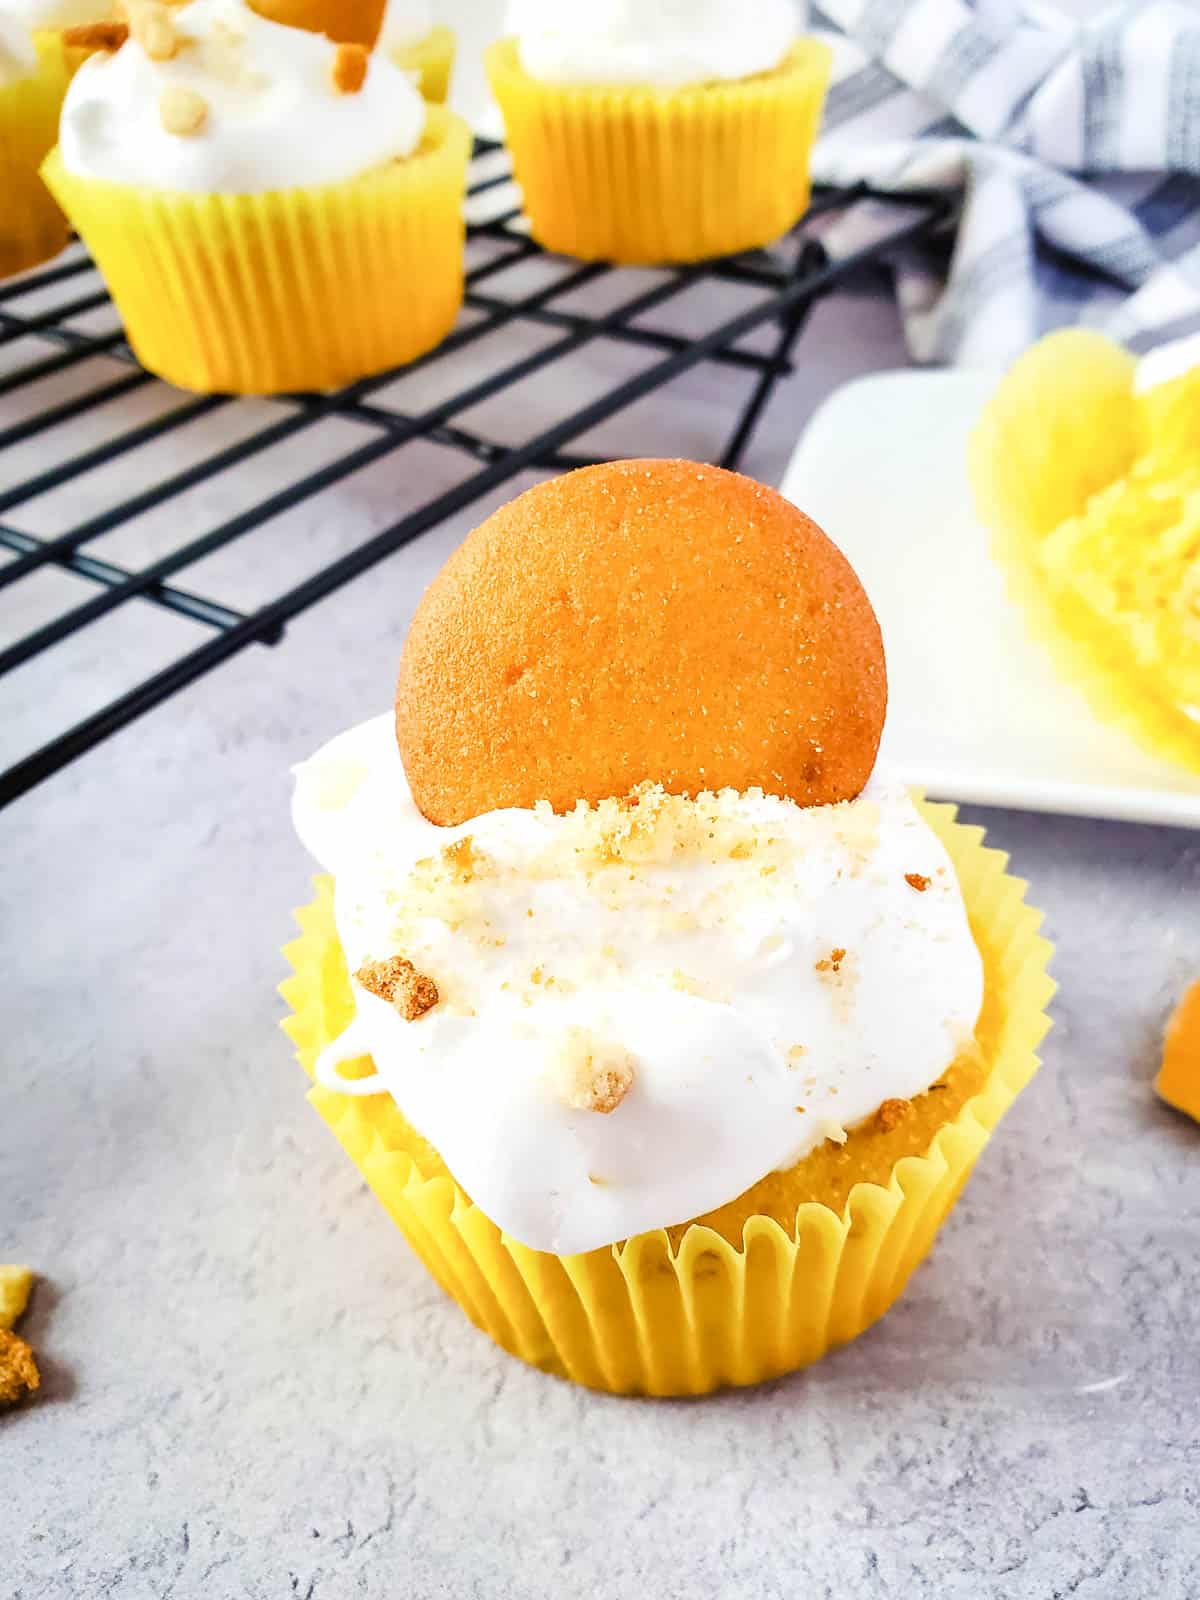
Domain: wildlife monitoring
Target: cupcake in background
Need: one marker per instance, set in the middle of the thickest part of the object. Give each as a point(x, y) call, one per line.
point(659, 131)
point(666, 1032)
point(271, 211)
point(36, 64)
point(1086, 467)
point(415, 42)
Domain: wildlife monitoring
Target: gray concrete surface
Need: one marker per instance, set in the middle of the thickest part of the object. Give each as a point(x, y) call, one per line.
point(251, 1387)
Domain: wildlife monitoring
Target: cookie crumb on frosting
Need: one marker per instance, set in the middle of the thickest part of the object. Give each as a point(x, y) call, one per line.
point(593, 1074)
point(349, 69)
point(151, 25)
point(832, 962)
point(917, 881)
point(182, 111)
point(104, 36)
point(398, 982)
point(892, 1113)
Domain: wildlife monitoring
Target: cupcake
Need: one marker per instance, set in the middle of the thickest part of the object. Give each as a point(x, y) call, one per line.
point(272, 211)
point(665, 1030)
point(659, 132)
point(418, 45)
point(1086, 467)
point(36, 64)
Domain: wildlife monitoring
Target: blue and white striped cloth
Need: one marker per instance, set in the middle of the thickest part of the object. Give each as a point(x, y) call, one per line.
point(1077, 148)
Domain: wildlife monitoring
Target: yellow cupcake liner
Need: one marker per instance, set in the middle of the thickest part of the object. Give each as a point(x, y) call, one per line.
point(1063, 426)
point(642, 175)
point(32, 226)
point(431, 60)
point(295, 289)
point(649, 1317)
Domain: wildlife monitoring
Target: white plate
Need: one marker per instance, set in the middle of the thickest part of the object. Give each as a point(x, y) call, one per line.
point(977, 712)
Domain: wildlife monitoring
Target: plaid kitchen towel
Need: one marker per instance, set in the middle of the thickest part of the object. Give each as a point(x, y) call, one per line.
point(1076, 148)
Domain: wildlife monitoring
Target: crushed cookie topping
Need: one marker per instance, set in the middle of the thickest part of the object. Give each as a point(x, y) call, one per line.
point(100, 36)
point(917, 881)
point(832, 962)
point(398, 982)
point(349, 68)
point(182, 111)
point(592, 1074)
point(892, 1113)
point(151, 25)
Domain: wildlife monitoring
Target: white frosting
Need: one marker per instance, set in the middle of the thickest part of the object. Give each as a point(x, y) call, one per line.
point(702, 956)
point(1167, 362)
point(662, 44)
point(274, 119)
point(405, 22)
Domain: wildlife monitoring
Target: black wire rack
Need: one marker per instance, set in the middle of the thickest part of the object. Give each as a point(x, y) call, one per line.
point(55, 323)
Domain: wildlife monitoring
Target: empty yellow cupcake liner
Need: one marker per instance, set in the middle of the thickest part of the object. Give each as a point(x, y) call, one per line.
point(431, 61)
point(294, 289)
point(32, 226)
point(644, 175)
point(642, 1317)
point(1063, 425)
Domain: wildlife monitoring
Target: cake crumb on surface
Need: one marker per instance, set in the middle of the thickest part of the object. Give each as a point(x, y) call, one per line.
point(15, 1284)
point(398, 982)
point(19, 1376)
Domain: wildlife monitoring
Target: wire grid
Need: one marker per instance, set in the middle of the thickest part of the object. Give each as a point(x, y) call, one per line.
point(47, 307)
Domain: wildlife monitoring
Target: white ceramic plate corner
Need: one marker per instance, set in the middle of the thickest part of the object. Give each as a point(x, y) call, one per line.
point(977, 712)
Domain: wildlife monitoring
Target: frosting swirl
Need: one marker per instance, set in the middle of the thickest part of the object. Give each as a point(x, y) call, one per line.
point(660, 44)
point(274, 116)
point(620, 1018)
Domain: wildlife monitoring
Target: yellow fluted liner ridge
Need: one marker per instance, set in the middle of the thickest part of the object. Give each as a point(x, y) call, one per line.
point(643, 1317)
point(645, 175)
point(291, 289)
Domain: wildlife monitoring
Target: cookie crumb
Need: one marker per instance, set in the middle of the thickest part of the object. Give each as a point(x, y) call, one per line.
point(595, 1075)
point(151, 26)
point(182, 111)
point(917, 881)
point(892, 1113)
point(106, 37)
point(464, 861)
point(15, 1284)
point(832, 962)
point(398, 982)
point(19, 1376)
point(349, 69)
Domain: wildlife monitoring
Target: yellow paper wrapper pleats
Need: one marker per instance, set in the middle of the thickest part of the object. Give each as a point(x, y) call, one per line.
point(644, 175)
point(431, 60)
point(296, 289)
point(1084, 486)
point(32, 226)
point(687, 1310)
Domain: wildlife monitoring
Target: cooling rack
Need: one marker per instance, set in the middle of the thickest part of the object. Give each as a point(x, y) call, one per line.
point(79, 403)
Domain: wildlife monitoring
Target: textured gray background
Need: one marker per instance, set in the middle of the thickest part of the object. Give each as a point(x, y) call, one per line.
point(252, 1389)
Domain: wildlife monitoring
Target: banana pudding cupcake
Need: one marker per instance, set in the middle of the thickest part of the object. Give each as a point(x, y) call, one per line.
point(659, 131)
point(36, 64)
point(665, 1030)
point(271, 210)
